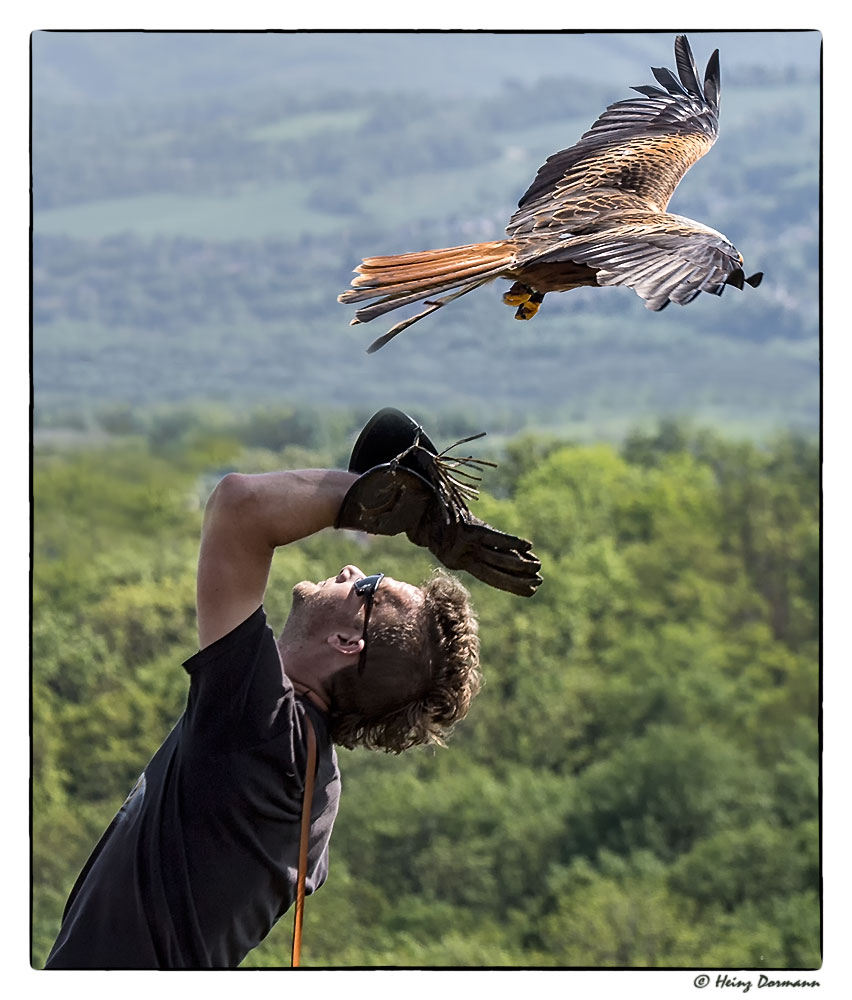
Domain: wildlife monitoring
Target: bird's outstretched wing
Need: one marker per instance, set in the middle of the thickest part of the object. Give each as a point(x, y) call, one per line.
point(663, 257)
point(633, 156)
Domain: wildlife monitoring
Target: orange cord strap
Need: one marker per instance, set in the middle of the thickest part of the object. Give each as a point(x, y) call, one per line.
point(303, 843)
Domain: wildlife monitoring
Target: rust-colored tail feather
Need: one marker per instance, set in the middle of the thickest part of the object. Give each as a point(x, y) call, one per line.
point(401, 279)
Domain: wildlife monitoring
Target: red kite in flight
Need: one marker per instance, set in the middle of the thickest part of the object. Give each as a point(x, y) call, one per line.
point(594, 215)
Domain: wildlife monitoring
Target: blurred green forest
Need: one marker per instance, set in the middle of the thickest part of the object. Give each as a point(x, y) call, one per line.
point(199, 202)
point(637, 783)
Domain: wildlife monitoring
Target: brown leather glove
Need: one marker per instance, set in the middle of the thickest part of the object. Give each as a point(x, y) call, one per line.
point(418, 492)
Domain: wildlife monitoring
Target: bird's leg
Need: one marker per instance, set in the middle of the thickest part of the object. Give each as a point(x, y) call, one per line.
point(517, 294)
point(528, 309)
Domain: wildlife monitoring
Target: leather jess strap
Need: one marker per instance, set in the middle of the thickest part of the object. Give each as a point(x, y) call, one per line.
point(303, 843)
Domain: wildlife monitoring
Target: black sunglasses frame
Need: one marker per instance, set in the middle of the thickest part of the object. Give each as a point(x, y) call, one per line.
point(366, 587)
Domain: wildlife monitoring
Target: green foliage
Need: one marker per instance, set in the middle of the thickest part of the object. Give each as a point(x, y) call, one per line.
point(618, 913)
point(637, 783)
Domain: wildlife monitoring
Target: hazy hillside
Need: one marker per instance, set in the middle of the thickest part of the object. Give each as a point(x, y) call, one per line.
point(115, 66)
point(201, 199)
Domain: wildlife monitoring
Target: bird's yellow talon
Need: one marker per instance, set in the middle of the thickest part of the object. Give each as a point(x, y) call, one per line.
point(518, 294)
point(527, 310)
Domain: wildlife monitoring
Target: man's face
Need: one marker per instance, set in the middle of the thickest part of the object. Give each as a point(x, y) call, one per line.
point(334, 602)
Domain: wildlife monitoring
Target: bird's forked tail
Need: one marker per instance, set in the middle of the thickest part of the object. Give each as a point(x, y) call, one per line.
point(402, 279)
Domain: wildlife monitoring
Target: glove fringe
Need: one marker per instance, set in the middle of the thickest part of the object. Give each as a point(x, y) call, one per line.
point(454, 492)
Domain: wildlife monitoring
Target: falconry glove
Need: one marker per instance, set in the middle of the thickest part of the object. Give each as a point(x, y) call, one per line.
point(422, 493)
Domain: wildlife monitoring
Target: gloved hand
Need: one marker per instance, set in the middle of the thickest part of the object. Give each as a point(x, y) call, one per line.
point(417, 492)
point(498, 559)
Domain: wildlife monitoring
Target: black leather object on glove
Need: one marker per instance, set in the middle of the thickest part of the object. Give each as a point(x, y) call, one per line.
point(387, 435)
point(417, 492)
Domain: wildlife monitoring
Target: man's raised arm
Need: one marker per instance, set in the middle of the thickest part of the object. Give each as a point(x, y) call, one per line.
point(397, 482)
point(247, 517)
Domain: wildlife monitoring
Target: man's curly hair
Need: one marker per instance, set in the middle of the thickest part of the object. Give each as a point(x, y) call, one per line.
point(421, 674)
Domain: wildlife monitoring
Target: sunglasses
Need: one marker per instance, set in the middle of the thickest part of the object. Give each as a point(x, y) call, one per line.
point(366, 587)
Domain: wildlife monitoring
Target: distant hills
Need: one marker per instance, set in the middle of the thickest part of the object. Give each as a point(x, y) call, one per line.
point(200, 200)
point(85, 66)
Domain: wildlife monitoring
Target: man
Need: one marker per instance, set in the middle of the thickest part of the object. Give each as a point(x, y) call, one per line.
point(202, 858)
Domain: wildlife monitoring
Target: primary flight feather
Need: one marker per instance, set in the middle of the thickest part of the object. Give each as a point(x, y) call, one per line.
point(595, 214)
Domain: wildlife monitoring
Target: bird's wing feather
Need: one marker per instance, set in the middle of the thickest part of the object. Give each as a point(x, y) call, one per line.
point(664, 258)
point(641, 148)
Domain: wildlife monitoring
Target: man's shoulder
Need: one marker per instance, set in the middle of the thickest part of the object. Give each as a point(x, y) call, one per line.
point(253, 629)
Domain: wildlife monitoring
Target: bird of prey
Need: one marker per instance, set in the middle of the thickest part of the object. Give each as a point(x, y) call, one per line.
point(595, 214)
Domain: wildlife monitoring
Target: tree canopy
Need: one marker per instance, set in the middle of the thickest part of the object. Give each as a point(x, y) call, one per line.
point(637, 783)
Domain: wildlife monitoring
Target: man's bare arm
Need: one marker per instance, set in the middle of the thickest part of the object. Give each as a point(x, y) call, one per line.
point(247, 517)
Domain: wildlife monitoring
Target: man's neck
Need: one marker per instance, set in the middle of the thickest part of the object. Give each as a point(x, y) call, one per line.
point(303, 681)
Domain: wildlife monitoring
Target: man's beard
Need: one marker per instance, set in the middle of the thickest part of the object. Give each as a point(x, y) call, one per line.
point(301, 591)
point(294, 628)
point(302, 613)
